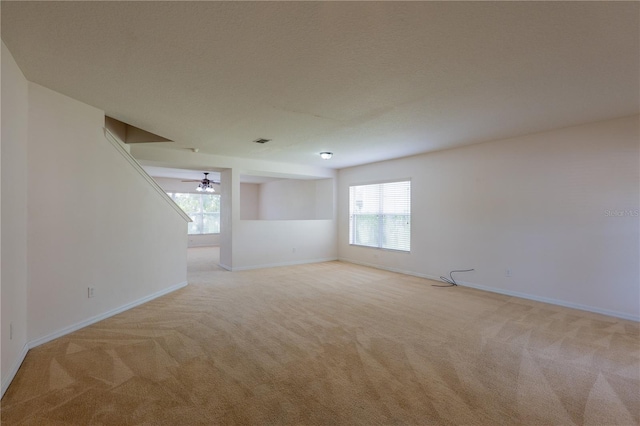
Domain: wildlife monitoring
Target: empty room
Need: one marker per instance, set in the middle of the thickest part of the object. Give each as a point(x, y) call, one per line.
point(320, 213)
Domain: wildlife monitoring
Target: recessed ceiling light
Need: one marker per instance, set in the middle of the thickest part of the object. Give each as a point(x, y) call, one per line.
point(326, 155)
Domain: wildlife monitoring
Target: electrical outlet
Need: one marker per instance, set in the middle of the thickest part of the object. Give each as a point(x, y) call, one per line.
point(10, 331)
point(507, 272)
point(90, 292)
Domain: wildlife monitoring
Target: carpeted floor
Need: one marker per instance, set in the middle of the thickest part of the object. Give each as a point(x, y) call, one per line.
point(333, 344)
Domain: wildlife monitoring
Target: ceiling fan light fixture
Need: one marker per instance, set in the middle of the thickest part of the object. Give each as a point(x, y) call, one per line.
point(326, 155)
point(205, 185)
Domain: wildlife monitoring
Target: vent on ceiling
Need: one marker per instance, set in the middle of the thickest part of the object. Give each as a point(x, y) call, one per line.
point(261, 140)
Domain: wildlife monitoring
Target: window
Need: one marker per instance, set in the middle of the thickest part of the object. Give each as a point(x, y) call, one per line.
point(380, 215)
point(203, 209)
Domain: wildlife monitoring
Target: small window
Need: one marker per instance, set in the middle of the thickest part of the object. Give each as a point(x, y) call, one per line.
point(380, 215)
point(203, 209)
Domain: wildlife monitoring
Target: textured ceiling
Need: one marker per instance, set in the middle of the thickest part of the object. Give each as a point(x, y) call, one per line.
point(367, 80)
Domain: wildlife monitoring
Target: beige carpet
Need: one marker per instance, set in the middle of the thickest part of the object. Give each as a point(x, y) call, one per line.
point(333, 344)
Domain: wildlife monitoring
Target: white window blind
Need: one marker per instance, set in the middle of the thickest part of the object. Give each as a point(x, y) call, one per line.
point(380, 215)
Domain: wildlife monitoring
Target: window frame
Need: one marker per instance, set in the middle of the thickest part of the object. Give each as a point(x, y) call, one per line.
point(380, 224)
point(202, 214)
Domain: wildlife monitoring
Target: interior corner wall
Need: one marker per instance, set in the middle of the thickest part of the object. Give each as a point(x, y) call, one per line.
point(559, 209)
point(287, 199)
point(249, 201)
point(325, 198)
point(266, 243)
point(14, 276)
point(99, 223)
point(296, 199)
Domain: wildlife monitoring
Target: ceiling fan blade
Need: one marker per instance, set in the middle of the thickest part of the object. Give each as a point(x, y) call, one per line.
point(192, 180)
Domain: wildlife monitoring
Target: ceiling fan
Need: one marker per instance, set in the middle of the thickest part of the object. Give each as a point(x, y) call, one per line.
point(205, 184)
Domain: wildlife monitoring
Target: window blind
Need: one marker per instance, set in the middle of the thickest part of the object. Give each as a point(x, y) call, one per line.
point(380, 215)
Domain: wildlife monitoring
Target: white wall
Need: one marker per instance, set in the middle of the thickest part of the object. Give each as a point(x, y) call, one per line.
point(14, 215)
point(205, 240)
point(536, 204)
point(100, 224)
point(288, 199)
point(249, 201)
point(228, 196)
point(261, 243)
point(291, 240)
point(325, 199)
point(296, 199)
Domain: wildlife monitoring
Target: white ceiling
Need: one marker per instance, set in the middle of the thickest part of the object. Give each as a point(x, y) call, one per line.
point(367, 80)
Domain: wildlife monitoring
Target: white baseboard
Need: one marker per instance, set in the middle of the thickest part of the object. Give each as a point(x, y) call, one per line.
point(195, 245)
point(400, 271)
point(273, 265)
point(551, 301)
point(527, 296)
point(14, 369)
point(70, 329)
